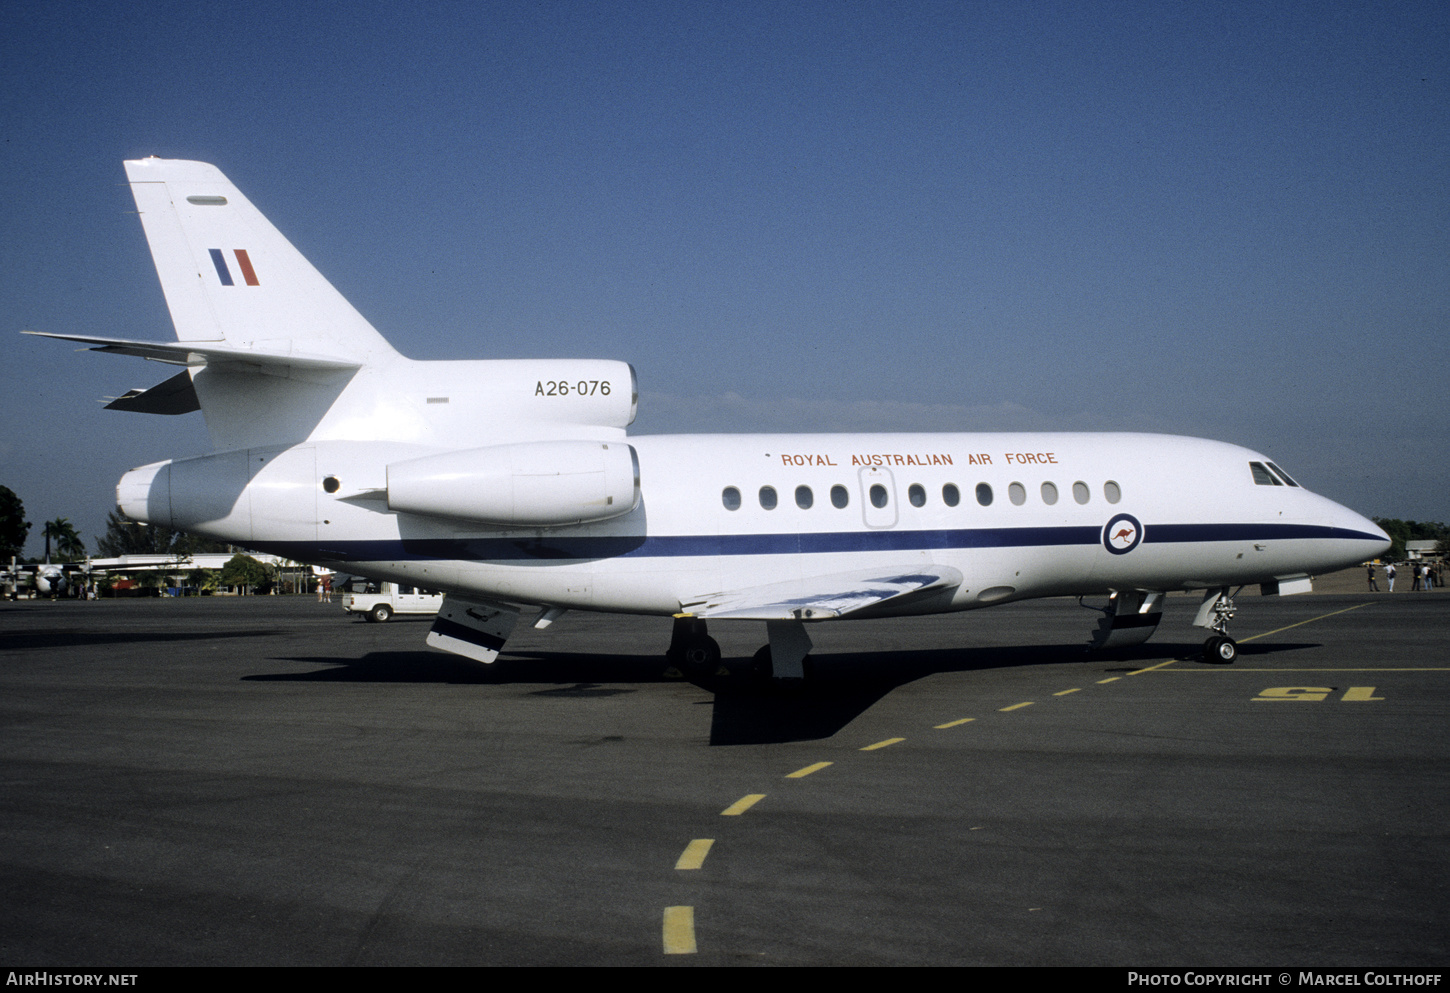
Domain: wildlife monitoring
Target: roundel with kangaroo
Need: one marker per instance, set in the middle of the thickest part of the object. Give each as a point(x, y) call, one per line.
point(1122, 534)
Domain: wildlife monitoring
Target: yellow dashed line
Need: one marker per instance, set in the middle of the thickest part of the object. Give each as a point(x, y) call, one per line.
point(679, 931)
point(952, 724)
point(1075, 689)
point(882, 744)
point(694, 854)
point(1110, 679)
point(742, 805)
point(802, 773)
point(1016, 706)
point(1150, 668)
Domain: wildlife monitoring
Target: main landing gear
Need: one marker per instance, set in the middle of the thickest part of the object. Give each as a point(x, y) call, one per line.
point(695, 655)
point(784, 659)
point(1215, 613)
point(692, 652)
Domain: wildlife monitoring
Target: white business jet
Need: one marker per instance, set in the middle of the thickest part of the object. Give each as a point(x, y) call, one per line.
point(508, 483)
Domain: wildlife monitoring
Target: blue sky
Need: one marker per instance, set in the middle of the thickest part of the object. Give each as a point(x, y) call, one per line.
point(1224, 220)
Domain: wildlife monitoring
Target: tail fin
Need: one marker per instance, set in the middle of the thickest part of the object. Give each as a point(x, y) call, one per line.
point(230, 276)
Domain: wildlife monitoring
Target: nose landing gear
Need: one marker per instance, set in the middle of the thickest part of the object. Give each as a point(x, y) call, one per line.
point(1215, 613)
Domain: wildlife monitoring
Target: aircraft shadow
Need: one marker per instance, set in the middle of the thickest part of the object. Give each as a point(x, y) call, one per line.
point(80, 639)
point(840, 687)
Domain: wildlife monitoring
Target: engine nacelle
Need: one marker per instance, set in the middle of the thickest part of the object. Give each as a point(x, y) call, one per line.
point(257, 493)
point(536, 484)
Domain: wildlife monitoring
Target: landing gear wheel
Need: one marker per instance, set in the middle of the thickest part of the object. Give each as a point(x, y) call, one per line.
point(701, 657)
point(380, 613)
point(1220, 650)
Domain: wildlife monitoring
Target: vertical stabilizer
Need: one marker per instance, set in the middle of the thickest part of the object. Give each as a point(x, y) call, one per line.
point(230, 276)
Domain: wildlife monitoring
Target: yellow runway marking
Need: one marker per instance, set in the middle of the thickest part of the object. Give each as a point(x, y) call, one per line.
point(1233, 669)
point(952, 724)
point(1294, 694)
point(1360, 694)
point(882, 744)
point(742, 805)
point(1150, 668)
point(1110, 679)
point(802, 773)
point(1015, 706)
point(1300, 623)
point(679, 931)
point(694, 854)
point(1075, 689)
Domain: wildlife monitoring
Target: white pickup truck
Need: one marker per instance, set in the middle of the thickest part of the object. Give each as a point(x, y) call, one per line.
point(379, 601)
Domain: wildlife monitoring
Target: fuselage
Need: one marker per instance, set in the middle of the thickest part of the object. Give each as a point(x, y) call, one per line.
point(1018, 515)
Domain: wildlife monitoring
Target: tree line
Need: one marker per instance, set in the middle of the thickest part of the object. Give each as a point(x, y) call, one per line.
point(1403, 531)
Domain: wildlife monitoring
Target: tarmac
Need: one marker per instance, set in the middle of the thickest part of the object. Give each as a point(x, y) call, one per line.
point(266, 781)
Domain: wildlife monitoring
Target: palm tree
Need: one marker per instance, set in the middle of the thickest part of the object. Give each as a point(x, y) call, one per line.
point(68, 543)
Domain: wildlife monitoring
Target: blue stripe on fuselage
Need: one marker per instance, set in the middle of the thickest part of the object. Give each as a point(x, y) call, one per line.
point(595, 547)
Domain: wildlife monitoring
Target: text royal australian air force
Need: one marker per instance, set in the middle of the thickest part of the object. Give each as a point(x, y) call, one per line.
point(926, 458)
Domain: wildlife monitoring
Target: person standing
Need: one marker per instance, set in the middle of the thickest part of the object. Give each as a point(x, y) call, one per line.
point(1373, 586)
point(1390, 576)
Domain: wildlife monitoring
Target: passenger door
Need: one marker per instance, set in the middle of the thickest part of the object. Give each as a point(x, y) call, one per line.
point(878, 497)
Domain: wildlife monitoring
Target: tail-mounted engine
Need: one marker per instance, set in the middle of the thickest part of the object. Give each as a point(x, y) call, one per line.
point(536, 484)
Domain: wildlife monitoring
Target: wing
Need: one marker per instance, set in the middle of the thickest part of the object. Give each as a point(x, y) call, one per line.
point(823, 597)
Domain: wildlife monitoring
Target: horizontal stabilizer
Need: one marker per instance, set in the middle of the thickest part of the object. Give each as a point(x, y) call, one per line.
point(824, 597)
point(196, 353)
point(175, 396)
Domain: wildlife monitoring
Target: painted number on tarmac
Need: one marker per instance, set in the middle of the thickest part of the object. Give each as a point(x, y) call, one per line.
point(1313, 694)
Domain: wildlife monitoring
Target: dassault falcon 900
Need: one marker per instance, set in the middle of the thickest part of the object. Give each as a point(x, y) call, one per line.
point(509, 483)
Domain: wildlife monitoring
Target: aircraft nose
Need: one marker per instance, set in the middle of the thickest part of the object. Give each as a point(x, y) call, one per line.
point(1364, 539)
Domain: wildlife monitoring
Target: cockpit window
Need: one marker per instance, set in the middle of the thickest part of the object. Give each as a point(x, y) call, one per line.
point(1281, 474)
point(1262, 476)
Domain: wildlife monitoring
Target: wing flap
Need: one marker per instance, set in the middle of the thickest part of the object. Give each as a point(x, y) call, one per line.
point(824, 597)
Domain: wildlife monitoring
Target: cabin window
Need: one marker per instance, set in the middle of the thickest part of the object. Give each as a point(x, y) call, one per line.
point(1017, 493)
point(878, 495)
point(1111, 492)
point(730, 497)
point(840, 496)
point(984, 494)
point(1080, 492)
point(804, 498)
point(917, 495)
point(1262, 476)
point(1049, 494)
point(950, 495)
point(767, 497)
point(1281, 474)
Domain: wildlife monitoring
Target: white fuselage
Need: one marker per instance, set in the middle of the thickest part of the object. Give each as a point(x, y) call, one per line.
point(1037, 529)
